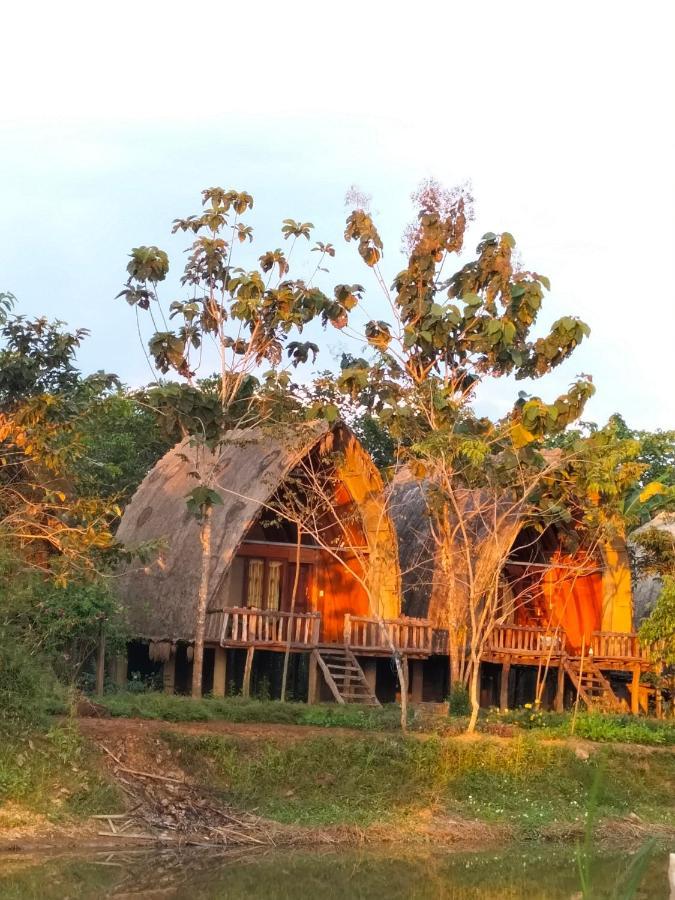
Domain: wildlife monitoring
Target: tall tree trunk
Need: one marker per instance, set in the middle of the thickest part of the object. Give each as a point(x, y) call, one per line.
point(402, 672)
point(202, 602)
point(296, 580)
point(474, 693)
point(454, 672)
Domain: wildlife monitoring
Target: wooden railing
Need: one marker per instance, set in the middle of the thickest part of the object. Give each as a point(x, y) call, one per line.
point(605, 645)
point(404, 634)
point(241, 625)
point(525, 639)
point(617, 645)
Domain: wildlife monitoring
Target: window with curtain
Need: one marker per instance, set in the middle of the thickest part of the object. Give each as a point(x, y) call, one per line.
point(274, 573)
point(255, 583)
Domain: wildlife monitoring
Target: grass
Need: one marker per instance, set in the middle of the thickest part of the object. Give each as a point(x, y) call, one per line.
point(53, 773)
point(530, 784)
point(591, 726)
point(174, 708)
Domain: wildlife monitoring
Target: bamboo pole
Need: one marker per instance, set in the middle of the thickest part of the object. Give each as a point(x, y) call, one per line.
point(635, 691)
point(581, 675)
point(246, 688)
point(504, 685)
point(560, 687)
point(219, 671)
point(313, 675)
point(296, 581)
point(169, 674)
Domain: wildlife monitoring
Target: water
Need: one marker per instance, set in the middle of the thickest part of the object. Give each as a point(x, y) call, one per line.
point(534, 873)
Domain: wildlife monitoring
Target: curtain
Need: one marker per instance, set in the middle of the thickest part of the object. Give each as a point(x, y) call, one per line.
point(274, 573)
point(254, 594)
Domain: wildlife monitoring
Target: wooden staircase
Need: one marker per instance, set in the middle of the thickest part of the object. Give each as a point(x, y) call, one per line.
point(344, 676)
point(594, 689)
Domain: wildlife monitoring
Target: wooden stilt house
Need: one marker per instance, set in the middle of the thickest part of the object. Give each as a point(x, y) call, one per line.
point(567, 627)
point(303, 560)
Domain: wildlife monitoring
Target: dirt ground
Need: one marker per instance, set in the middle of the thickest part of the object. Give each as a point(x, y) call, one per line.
point(115, 728)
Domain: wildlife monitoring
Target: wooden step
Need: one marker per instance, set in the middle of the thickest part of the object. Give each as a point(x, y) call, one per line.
point(594, 689)
point(338, 668)
point(344, 676)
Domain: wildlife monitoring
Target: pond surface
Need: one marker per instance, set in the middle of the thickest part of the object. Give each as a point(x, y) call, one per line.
point(534, 873)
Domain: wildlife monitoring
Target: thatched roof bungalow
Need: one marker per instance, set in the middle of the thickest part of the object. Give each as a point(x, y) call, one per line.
point(268, 586)
point(556, 605)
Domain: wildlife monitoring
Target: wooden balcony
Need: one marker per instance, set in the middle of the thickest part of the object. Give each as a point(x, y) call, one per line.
point(412, 637)
point(529, 644)
point(525, 641)
point(271, 629)
point(263, 628)
point(616, 647)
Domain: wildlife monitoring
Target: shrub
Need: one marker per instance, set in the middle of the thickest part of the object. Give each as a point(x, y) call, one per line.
point(459, 703)
point(28, 689)
point(592, 726)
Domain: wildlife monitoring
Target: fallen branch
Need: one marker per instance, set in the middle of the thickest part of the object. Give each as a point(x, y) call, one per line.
point(140, 774)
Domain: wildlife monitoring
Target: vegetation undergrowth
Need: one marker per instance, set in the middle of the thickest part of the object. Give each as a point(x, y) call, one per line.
point(174, 708)
point(592, 726)
point(54, 773)
point(532, 785)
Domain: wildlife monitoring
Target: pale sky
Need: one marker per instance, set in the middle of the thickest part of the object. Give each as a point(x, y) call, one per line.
point(113, 118)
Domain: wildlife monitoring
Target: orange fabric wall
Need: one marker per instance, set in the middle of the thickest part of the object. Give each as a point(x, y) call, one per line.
point(574, 602)
point(341, 594)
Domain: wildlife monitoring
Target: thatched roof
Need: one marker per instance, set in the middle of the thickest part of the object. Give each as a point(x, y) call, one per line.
point(247, 468)
point(491, 527)
point(416, 548)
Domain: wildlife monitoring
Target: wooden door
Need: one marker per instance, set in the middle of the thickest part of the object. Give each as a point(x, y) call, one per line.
point(303, 598)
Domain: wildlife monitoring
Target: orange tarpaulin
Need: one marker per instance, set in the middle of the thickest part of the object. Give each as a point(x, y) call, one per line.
point(572, 589)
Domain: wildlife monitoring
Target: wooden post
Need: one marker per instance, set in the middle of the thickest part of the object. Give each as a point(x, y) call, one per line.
point(369, 667)
point(635, 692)
point(406, 675)
point(169, 674)
point(100, 661)
point(219, 671)
point(313, 680)
point(246, 688)
point(417, 685)
point(119, 670)
point(504, 685)
point(560, 688)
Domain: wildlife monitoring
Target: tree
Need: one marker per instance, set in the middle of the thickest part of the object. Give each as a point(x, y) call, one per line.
point(121, 438)
point(44, 401)
point(249, 315)
point(55, 527)
point(448, 335)
point(647, 457)
point(659, 627)
point(655, 556)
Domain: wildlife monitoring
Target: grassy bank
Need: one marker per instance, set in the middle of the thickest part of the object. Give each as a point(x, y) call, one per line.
point(590, 726)
point(522, 787)
point(538, 788)
point(54, 773)
point(529, 778)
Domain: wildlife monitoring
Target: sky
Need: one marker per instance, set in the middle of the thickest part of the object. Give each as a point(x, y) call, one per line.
point(114, 117)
